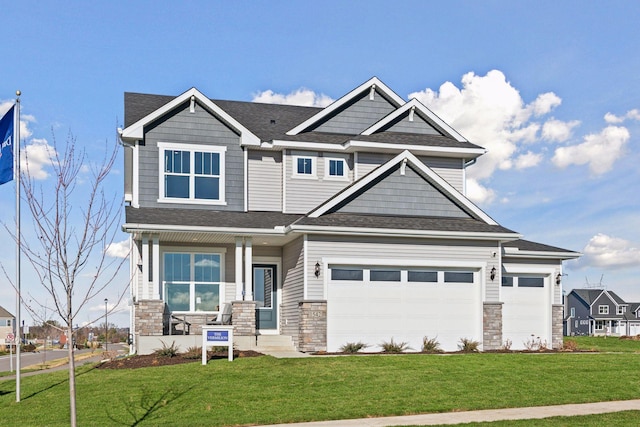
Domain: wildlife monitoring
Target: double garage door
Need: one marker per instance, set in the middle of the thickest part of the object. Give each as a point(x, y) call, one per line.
point(373, 305)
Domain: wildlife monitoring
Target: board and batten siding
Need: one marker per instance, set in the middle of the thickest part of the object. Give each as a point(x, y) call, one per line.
point(305, 193)
point(380, 251)
point(359, 115)
point(199, 128)
point(404, 194)
point(265, 180)
point(292, 288)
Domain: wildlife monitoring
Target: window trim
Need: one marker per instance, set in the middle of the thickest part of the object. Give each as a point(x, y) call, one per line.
point(314, 167)
point(603, 309)
point(192, 148)
point(327, 168)
point(192, 282)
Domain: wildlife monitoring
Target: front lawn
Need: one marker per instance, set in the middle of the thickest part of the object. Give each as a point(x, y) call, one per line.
point(263, 390)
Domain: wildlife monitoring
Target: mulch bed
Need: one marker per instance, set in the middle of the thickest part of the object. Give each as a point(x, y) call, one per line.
point(148, 360)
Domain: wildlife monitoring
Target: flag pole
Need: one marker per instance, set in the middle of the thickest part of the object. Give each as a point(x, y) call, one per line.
point(16, 168)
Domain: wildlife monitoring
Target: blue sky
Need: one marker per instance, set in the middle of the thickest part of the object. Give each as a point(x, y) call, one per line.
point(551, 89)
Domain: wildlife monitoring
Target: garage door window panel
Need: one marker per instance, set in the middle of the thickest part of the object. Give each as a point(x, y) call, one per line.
point(384, 275)
point(348, 274)
point(458, 277)
point(530, 282)
point(422, 276)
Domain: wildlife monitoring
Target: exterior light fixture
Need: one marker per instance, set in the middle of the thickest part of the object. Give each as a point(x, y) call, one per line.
point(493, 273)
point(558, 279)
point(317, 270)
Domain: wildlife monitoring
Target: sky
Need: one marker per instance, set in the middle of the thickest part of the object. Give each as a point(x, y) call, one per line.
point(550, 89)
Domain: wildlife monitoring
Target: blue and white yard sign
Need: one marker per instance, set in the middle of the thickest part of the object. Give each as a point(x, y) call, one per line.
point(217, 336)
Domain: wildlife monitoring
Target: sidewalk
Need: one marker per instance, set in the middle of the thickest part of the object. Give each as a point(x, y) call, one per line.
point(535, 412)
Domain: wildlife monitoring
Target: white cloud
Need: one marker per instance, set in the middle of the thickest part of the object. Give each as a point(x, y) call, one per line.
point(609, 252)
point(631, 115)
point(490, 112)
point(558, 131)
point(118, 249)
point(527, 160)
point(37, 155)
point(599, 151)
point(303, 97)
point(25, 119)
point(477, 193)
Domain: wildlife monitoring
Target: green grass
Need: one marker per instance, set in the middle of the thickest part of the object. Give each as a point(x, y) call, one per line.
point(613, 344)
point(266, 390)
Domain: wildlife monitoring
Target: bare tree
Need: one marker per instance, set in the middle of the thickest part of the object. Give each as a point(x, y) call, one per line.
point(73, 232)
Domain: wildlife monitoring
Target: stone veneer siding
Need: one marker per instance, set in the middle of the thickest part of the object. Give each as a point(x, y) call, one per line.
point(243, 318)
point(313, 326)
point(492, 326)
point(149, 317)
point(557, 314)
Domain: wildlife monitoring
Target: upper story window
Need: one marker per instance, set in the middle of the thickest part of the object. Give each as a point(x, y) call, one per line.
point(603, 309)
point(304, 167)
point(191, 173)
point(336, 168)
point(573, 312)
point(621, 309)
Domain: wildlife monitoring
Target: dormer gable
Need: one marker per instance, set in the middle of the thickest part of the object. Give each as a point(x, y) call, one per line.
point(414, 117)
point(355, 111)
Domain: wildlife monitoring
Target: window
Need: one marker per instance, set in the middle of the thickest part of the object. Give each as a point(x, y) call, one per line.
point(335, 168)
point(600, 324)
point(530, 282)
point(346, 274)
point(573, 312)
point(603, 309)
point(507, 281)
point(621, 309)
point(191, 281)
point(191, 173)
point(422, 276)
point(384, 275)
point(304, 167)
point(458, 277)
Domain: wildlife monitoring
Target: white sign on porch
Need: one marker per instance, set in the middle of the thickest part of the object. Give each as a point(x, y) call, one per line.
point(217, 336)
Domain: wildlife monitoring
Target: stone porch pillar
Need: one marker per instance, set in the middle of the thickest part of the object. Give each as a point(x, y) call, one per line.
point(492, 326)
point(557, 314)
point(312, 335)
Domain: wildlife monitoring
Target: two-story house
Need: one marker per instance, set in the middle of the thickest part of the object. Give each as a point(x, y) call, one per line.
point(322, 225)
point(7, 324)
point(600, 312)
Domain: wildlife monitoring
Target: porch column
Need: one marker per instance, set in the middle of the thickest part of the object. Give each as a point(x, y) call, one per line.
point(248, 269)
point(155, 277)
point(239, 288)
point(145, 267)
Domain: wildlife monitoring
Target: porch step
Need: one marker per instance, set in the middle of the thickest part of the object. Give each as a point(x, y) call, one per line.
point(280, 346)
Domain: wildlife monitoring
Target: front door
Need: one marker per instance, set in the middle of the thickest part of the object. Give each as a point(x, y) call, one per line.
point(265, 294)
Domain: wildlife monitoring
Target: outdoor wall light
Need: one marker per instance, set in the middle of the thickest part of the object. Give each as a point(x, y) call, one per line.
point(558, 279)
point(493, 273)
point(317, 270)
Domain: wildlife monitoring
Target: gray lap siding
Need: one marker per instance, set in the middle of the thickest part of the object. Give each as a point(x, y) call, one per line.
point(199, 128)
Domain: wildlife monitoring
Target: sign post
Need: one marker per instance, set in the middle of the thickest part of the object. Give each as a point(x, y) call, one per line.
point(218, 336)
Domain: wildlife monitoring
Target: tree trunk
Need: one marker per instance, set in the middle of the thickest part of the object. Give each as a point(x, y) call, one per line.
point(72, 376)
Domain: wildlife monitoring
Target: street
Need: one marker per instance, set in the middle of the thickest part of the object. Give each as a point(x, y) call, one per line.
point(28, 358)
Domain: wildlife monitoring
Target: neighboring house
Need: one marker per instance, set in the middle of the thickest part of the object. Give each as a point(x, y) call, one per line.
point(324, 225)
point(600, 312)
point(7, 324)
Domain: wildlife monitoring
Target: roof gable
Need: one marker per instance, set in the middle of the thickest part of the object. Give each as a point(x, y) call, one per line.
point(402, 160)
point(402, 190)
point(355, 111)
point(414, 117)
point(135, 131)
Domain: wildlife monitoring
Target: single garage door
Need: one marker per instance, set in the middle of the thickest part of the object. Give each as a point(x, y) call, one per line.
point(526, 313)
point(375, 304)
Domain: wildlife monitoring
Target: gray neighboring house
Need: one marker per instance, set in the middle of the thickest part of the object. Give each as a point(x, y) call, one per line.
point(600, 312)
point(7, 324)
point(317, 227)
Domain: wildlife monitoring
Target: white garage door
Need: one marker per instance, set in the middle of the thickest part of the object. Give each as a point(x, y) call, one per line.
point(634, 328)
point(375, 304)
point(526, 313)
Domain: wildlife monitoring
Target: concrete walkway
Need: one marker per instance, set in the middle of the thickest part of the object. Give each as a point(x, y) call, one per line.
point(449, 418)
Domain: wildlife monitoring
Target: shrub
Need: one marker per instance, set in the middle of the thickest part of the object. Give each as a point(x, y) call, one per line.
point(193, 353)
point(506, 346)
point(570, 345)
point(167, 351)
point(394, 347)
point(29, 348)
point(431, 345)
point(468, 345)
point(353, 347)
